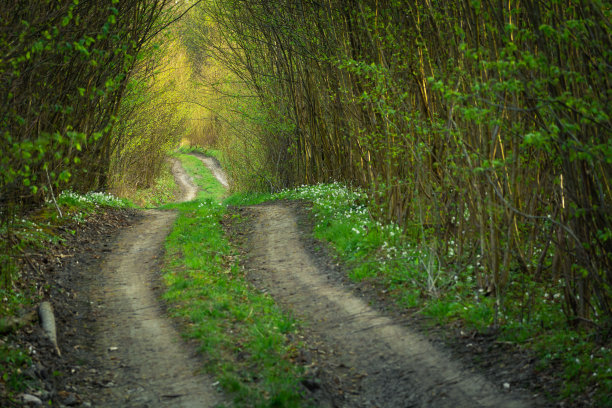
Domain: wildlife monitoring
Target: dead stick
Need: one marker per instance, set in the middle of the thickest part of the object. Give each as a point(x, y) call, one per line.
point(53, 195)
point(47, 321)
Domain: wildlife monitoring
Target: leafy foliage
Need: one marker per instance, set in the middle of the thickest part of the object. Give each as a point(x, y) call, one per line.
point(64, 70)
point(481, 130)
point(152, 116)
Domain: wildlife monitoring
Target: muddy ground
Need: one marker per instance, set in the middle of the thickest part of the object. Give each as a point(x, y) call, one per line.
point(119, 349)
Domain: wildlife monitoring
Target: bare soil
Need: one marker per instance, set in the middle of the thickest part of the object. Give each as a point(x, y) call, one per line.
point(358, 354)
point(149, 364)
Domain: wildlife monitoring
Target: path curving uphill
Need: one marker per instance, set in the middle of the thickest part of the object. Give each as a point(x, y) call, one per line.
point(214, 166)
point(184, 181)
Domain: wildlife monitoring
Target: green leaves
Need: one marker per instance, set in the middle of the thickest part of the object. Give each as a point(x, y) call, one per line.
point(64, 176)
point(536, 139)
point(62, 64)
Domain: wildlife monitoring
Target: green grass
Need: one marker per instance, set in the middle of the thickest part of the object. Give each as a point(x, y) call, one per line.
point(210, 188)
point(77, 206)
point(190, 149)
point(217, 154)
point(243, 335)
point(39, 228)
point(12, 363)
point(249, 198)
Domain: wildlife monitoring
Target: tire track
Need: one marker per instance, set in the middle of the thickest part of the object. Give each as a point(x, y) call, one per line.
point(151, 365)
point(387, 364)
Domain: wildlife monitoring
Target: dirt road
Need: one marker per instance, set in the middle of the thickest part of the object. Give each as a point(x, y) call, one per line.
point(145, 363)
point(123, 350)
point(214, 166)
point(362, 357)
point(151, 365)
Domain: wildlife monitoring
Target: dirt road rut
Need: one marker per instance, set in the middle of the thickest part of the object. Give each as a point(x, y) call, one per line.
point(386, 364)
point(151, 365)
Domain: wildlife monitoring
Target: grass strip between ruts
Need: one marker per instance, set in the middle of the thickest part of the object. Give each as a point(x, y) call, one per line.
point(241, 332)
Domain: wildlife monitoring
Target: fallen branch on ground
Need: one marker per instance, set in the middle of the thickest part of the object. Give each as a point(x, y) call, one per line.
point(47, 321)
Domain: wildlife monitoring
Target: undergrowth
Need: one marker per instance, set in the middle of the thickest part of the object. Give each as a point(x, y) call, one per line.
point(38, 229)
point(243, 335)
point(162, 191)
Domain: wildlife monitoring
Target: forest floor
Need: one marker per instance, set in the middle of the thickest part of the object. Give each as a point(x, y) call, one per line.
point(119, 347)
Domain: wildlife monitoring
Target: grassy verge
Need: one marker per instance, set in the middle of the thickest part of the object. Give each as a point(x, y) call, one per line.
point(243, 335)
point(404, 266)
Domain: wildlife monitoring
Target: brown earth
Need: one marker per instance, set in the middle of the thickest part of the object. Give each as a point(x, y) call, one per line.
point(143, 354)
point(119, 348)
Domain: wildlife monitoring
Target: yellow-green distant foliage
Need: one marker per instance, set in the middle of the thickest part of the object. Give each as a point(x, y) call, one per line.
point(153, 117)
point(226, 112)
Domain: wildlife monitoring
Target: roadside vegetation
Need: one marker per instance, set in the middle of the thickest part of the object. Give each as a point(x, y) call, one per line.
point(204, 289)
point(212, 152)
point(400, 265)
point(482, 132)
point(90, 102)
point(161, 191)
point(20, 293)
